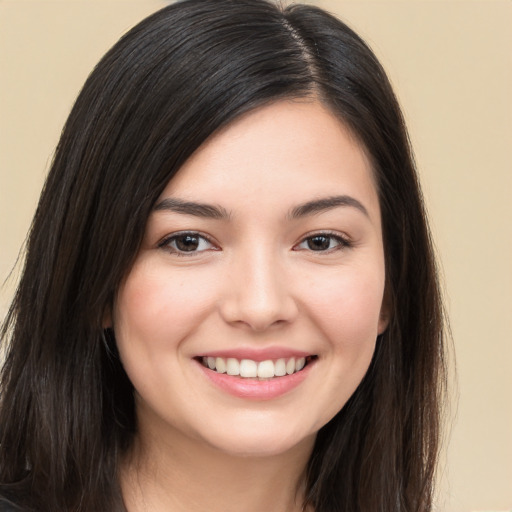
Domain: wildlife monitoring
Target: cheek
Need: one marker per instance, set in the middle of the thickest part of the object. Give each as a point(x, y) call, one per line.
point(347, 308)
point(156, 310)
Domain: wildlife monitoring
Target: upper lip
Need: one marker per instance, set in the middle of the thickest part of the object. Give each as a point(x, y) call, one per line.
point(257, 354)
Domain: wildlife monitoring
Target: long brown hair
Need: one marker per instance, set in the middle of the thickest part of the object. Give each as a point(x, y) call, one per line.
point(66, 410)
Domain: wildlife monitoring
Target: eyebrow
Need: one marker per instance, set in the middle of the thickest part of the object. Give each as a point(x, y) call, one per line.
point(218, 212)
point(192, 208)
point(327, 203)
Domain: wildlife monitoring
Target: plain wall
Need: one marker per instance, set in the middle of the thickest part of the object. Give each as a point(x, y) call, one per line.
point(451, 65)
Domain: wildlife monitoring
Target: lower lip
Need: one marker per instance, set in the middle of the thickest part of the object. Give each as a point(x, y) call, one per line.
point(255, 389)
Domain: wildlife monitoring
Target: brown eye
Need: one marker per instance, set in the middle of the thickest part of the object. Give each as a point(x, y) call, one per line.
point(186, 243)
point(319, 243)
point(322, 242)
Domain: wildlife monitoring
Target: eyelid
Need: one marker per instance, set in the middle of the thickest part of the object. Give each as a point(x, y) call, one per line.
point(167, 240)
point(345, 242)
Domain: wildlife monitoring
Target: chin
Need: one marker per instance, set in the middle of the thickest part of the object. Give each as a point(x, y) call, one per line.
point(258, 441)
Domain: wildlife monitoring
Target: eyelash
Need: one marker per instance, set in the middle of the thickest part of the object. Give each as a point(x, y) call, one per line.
point(166, 243)
point(341, 241)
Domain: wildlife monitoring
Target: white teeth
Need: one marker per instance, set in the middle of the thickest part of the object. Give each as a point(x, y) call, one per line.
point(220, 365)
point(232, 366)
point(248, 368)
point(266, 370)
point(280, 368)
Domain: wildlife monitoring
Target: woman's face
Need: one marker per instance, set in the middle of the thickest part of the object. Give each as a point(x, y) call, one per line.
point(251, 313)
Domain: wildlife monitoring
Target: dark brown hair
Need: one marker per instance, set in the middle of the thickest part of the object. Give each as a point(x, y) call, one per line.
point(66, 410)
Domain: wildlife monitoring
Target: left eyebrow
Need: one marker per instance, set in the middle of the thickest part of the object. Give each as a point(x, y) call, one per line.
point(327, 203)
point(176, 205)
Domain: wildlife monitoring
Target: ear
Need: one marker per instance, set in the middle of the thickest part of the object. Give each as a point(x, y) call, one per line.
point(385, 312)
point(107, 319)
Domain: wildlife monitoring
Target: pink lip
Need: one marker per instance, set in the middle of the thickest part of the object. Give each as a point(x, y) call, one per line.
point(255, 389)
point(257, 355)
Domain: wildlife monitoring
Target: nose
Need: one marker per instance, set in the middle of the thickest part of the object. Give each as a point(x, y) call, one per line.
point(258, 293)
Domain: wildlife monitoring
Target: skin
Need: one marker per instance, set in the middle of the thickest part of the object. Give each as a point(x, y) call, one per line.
point(253, 282)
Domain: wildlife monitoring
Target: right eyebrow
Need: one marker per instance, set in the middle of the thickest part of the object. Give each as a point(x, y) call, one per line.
point(204, 210)
point(327, 203)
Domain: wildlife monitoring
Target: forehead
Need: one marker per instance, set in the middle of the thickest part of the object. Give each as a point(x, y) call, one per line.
point(283, 153)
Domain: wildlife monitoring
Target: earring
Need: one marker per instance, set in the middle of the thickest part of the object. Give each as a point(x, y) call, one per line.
point(108, 340)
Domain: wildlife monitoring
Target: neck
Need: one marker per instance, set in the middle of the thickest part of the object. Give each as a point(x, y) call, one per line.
point(168, 471)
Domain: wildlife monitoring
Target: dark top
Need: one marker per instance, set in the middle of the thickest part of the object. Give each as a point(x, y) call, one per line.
point(7, 506)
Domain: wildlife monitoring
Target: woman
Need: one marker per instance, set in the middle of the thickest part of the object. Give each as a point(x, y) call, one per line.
point(230, 298)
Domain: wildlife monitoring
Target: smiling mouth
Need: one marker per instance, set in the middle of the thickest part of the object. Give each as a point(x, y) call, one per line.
point(247, 368)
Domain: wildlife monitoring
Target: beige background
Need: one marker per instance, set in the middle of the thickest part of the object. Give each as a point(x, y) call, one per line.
point(451, 64)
